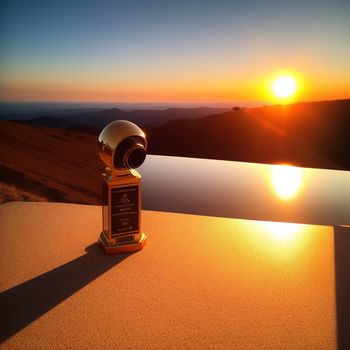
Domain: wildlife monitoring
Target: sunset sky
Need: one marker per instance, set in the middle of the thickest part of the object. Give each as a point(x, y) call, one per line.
point(172, 51)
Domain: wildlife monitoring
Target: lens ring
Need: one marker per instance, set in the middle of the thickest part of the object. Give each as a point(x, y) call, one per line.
point(135, 156)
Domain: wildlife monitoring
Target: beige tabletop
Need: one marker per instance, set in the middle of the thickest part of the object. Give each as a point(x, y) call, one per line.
point(200, 283)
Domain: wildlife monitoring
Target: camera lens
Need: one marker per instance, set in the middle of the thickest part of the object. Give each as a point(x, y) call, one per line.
point(130, 153)
point(136, 157)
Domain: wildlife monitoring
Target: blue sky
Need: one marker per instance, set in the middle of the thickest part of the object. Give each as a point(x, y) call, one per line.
point(160, 50)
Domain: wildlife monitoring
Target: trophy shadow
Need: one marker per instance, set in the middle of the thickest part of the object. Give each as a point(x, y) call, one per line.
point(342, 285)
point(24, 303)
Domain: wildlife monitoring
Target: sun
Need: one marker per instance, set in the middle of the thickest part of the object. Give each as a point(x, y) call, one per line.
point(284, 87)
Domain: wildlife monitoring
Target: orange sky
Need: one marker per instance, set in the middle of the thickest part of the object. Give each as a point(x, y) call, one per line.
point(197, 52)
point(189, 90)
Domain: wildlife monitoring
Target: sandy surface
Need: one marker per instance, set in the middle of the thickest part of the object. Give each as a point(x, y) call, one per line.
point(200, 283)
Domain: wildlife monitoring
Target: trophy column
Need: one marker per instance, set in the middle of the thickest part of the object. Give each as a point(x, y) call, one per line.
point(122, 147)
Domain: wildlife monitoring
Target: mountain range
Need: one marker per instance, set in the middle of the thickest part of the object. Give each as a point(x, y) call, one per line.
point(97, 119)
point(59, 162)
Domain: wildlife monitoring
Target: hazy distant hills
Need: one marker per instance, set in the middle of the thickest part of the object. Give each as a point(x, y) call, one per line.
point(98, 119)
point(145, 118)
point(55, 164)
point(308, 134)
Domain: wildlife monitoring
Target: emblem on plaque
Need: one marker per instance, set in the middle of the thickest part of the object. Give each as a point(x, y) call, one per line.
point(122, 147)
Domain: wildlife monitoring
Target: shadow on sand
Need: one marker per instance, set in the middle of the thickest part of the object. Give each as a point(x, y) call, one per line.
point(23, 304)
point(342, 285)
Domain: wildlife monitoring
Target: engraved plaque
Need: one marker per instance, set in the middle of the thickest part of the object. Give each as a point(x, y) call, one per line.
point(124, 210)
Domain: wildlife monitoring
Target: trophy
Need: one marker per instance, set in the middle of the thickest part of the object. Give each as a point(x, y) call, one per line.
point(122, 147)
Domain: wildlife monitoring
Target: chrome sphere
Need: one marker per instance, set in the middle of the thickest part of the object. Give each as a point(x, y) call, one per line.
point(122, 145)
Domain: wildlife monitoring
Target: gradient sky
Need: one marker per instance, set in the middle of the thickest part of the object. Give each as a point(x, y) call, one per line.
point(171, 51)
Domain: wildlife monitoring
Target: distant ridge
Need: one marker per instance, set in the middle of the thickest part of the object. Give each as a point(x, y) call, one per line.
point(100, 118)
point(62, 165)
point(48, 121)
point(144, 118)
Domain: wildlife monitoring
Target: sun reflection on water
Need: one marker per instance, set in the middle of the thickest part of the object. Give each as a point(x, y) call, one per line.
point(286, 180)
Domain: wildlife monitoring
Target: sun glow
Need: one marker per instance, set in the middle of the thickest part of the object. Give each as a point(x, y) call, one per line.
point(282, 230)
point(284, 86)
point(281, 241)
point(286, 180)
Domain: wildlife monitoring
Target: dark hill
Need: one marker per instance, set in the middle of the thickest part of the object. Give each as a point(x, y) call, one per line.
point(40, 163)
point(307, 134)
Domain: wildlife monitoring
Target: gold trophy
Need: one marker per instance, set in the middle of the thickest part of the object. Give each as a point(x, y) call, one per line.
point(122, 147)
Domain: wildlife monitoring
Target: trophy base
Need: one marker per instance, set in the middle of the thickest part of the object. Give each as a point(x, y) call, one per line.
point(108, 248)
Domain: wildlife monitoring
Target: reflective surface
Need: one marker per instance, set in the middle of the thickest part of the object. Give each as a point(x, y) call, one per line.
point(245, 190)
point(286, 180)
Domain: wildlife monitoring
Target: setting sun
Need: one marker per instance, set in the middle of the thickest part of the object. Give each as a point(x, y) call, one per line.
point(284, 86)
